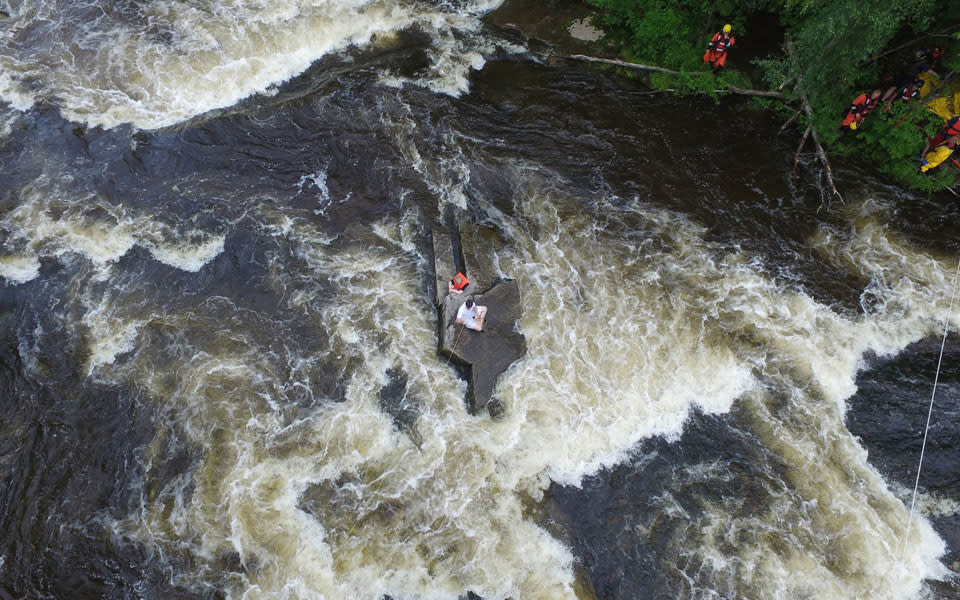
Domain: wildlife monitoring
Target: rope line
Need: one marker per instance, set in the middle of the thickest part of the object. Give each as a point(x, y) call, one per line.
point(933, 394)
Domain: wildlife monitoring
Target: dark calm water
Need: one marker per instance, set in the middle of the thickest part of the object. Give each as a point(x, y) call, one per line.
point(215, 257)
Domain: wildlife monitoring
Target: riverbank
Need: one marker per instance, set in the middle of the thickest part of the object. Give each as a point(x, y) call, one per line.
point(889, 142)
point(566, 25)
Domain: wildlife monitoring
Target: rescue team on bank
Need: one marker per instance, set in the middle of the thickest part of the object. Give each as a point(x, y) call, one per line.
point(906, 87)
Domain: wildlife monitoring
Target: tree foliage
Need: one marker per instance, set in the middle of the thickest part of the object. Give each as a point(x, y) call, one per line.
point(671, 33)
point(834, 42)
point(838, 52)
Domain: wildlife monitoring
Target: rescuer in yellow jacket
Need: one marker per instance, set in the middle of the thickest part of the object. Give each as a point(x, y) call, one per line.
point(939, 154)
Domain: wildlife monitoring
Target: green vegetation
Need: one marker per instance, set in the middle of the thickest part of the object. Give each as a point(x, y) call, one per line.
point(837, 50)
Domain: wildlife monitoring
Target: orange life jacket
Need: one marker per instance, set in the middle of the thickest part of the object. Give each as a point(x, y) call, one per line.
point(460, 281)
point(909, 93)
point(863, 104)
point(952, 127)
point(720, 42)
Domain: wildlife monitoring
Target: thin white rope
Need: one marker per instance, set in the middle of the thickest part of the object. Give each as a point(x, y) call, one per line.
point(933, 394)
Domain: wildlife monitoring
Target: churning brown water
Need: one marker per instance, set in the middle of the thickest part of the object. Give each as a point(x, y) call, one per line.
point(215, 221)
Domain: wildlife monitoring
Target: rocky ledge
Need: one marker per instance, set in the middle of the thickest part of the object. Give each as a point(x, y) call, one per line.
point(484, 355)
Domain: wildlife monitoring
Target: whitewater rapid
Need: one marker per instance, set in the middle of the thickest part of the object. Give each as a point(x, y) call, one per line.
point(158, 63)
point(631, 328)
point(256, 309)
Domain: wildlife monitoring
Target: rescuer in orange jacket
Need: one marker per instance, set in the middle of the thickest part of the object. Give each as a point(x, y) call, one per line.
point(906, 93)
point(950, 129)
point(716, 53)
point(859, 109)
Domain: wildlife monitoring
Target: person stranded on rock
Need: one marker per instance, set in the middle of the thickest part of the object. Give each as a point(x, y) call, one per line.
point(859, 109)
point(716, 53)
point(471, 315)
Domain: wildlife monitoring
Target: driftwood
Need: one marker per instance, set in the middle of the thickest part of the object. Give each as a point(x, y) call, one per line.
point(641, 67)
point(823, 155)
point(759, 93)
point(790, 120)
point(629, 65)
point(796, 158)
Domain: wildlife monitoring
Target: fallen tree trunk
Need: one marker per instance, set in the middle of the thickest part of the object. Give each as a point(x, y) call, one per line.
point(759, 93)
point(790, 120)
point(629, 65)
point(796, 158)
point(823, 155)
point(805, 103)
point(641, 67)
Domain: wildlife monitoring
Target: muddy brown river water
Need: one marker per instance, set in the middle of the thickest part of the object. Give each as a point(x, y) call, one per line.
point(214, 256)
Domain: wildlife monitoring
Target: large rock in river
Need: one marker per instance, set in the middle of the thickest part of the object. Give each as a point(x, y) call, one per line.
point(487, 354)
point(490, 352)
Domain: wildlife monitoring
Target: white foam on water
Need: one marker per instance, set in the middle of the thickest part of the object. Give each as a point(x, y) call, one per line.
point(929, 504)
point(9, 116)
point(43, 226)
point(159, 63)
point(51, 223)
point(629, 328)
point(318, 181)
point(108, 342)
point(634, 354)
point(837, 530)
point(19, 269)
point(185, 255)
point(422, 521)
point(13, 94)
point(454, 58)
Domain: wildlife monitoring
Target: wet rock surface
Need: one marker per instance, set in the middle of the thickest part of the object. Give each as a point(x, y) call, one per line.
point(485, 355)
point(398, 403)
point(490, 352)
point(549, 22)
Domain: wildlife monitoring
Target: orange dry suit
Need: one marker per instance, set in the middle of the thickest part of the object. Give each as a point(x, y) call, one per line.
point(950, 129)
point(937, 156)
point(716, 53)
point(859, 108)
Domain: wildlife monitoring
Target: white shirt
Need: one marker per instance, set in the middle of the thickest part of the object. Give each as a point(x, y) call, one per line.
point(468, 316)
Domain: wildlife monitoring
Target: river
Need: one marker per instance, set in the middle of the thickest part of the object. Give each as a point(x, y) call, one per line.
point(215, 255)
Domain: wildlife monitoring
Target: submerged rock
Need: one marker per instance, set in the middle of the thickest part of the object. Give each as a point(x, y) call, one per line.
point(583, 29)
point(396, 401)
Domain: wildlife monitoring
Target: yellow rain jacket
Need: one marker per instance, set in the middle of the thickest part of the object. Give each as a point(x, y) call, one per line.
point(947, 105)
point(935, 157)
